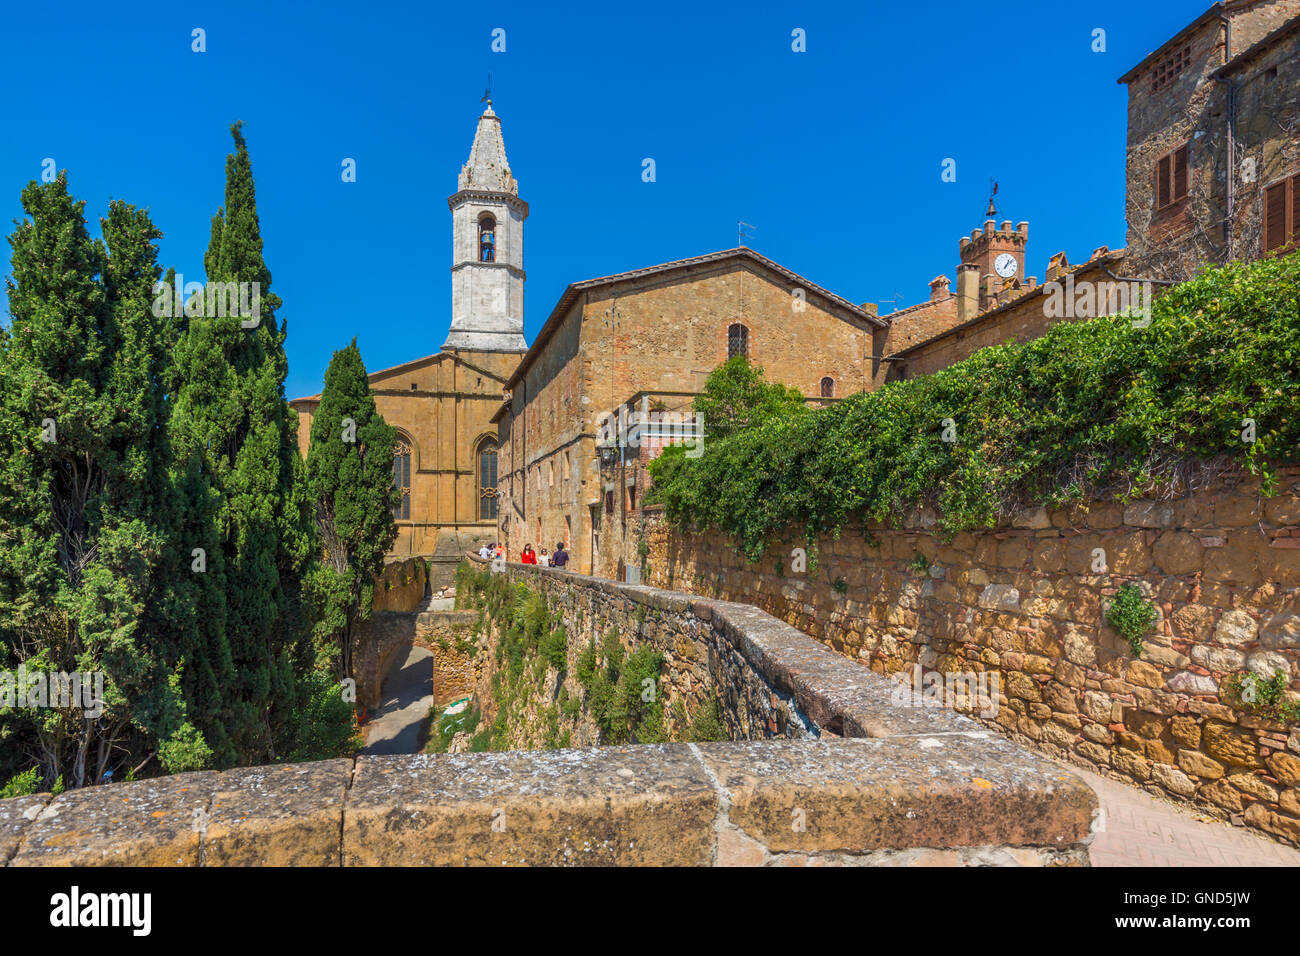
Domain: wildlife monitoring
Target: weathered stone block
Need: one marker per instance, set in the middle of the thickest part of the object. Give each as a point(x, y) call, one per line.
point(148, 823)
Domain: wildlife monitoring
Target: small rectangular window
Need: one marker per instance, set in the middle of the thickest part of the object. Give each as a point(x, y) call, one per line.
point(1172, 175)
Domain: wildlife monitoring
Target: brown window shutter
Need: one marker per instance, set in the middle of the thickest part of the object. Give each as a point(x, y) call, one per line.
point(1295, 208)
point(1162, 182)
point(1180, 174)
point(1275, 217)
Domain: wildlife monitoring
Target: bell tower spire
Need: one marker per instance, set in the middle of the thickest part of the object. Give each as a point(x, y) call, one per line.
point(487, 262)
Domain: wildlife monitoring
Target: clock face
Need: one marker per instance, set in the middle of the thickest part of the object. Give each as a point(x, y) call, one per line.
point(1005, 265)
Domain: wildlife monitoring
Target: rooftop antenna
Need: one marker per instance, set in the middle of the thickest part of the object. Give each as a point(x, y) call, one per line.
point(993, 191)
point(740, 231)
point(897, 298)
point(487, 94)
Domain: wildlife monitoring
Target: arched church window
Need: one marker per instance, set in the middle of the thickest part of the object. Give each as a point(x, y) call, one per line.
point(737, 340)
point(828, 387)
point(487, 239)
point(402, 479)
point(487, 481)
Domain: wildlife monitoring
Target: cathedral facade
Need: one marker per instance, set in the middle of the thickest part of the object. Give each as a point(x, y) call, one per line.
point(441, 405)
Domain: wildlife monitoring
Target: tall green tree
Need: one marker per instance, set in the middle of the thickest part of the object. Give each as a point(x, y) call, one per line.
point(352, 494)
point(81, 442)
point(234, 437)
point(737, 396)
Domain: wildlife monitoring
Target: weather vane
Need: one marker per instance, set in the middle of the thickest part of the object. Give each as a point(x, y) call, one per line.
point(487, 94)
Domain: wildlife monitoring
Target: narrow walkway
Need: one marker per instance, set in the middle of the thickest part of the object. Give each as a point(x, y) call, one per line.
point(401, 723)
point(1139, 829)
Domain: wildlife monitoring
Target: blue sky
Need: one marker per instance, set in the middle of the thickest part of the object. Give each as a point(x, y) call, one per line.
point(833, 154)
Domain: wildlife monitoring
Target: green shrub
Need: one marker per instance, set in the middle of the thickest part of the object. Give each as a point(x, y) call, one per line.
point(1131, 615)
point(447, 726)
point(587, 662)
point(22, 785)
point(706, 723)
point(1094, 407)
point(555, 648)
point(1265, 697)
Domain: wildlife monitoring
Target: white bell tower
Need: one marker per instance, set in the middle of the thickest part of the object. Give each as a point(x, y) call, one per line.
point(487, 259)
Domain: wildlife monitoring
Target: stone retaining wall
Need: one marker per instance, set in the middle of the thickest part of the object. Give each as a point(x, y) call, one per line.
point(400, 586)
point(457, 659)
point(381, 637)
point(1024, 602)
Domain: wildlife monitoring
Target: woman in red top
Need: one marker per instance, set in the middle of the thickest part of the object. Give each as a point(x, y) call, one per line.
point(529, 556)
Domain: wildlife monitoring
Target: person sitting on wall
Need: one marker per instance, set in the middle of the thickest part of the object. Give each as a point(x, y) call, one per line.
point(528, 555)
point(561, 557)
point(486, 551)
point(543, 559)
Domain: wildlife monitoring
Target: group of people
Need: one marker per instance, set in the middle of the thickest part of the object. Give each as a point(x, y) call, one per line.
point(556, 559)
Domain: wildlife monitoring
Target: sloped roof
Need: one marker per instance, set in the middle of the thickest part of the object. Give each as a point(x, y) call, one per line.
point(571, 294)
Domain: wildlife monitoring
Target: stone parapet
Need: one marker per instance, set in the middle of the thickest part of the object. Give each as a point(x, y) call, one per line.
point(858, 779)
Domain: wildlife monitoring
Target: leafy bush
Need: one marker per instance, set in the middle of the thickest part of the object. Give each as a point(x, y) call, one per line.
point(22, 785)
point(327, 727)
point(1131, 615)
point(736, 396)
point(1095, 407)
point(555, 648)
point(1263, 696)
point(447, 726)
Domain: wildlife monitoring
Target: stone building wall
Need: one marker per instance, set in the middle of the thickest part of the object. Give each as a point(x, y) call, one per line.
point(1022, 601)
point(663, 331)
point(1191, 109)
point(442, 407)
point(1026, 316)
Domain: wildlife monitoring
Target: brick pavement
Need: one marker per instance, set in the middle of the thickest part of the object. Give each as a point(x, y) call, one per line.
point(1143, 830)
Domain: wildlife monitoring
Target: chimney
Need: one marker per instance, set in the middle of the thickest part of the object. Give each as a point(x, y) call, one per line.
point(1057, 266)
point(870, 308)
point(939, 288)
point(968, 291)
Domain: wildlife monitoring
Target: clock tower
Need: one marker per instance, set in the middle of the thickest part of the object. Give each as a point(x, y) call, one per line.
point(993, 259)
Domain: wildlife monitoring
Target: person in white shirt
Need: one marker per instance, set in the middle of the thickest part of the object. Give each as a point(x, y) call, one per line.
point(485, 552)
point(544, 559)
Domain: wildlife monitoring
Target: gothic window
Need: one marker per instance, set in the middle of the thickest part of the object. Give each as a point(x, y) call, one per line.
point(737, 340)
point(487, 481)
point(487, 243)
point(828, 387)
point(402, 479)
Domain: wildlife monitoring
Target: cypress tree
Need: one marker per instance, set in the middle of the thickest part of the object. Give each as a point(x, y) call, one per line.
point(81, 439)
point(235, 440)
point(352, 495)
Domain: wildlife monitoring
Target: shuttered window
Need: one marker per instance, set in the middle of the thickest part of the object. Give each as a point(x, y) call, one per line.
point(1171, 177)
point(1282, 214)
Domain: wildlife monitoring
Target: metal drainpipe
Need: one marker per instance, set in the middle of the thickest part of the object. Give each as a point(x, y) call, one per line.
point(1230, 110)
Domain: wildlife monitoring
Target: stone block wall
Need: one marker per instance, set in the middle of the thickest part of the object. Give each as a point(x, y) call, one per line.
point(380, 639)
point(1222, 567)
point(458, 662)
point(400, 587)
